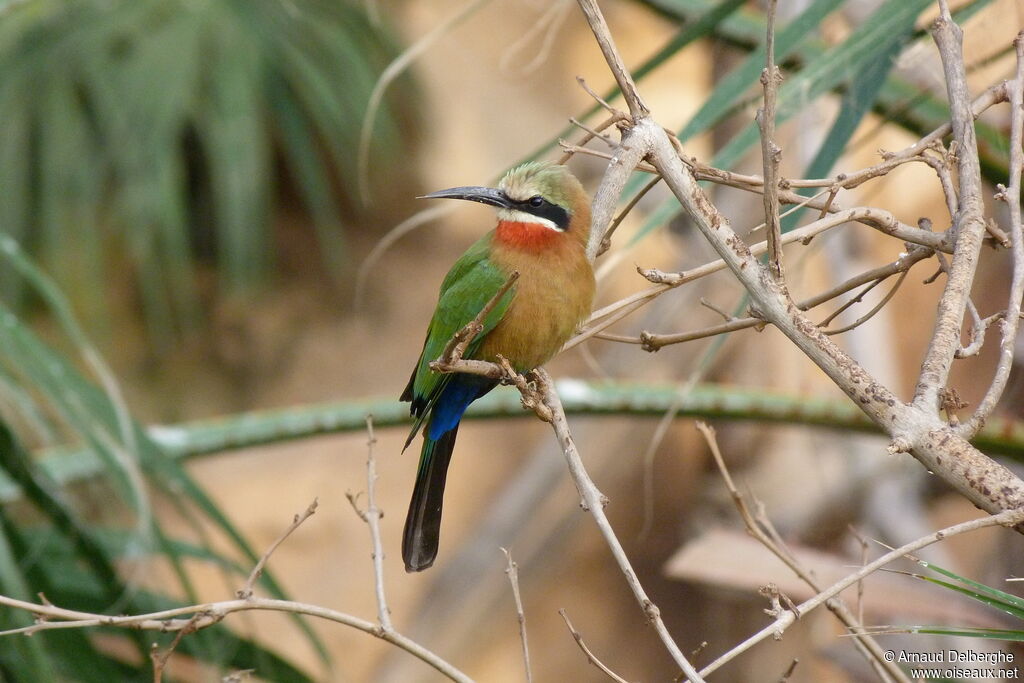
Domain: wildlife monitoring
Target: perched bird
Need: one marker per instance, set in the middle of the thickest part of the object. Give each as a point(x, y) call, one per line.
point(542, 231)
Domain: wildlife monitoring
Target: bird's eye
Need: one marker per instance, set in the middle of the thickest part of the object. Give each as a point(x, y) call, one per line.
point(536, 201)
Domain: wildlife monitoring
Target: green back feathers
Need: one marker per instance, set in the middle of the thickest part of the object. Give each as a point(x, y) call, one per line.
point(468, 287)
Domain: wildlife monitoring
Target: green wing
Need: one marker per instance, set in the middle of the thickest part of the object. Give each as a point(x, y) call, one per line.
point(469, 286)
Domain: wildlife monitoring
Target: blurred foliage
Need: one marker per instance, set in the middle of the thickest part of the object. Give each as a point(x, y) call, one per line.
point(161, 132)
point(75, 545)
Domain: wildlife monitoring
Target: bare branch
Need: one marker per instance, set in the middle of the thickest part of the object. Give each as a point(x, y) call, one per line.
point(603, 36)
point(160, 659)
point(986, 483)
point(207, 614)
point(877, 307)
point(654, 342)
point(1011, 195)
point(771, 154)
point(591, 133)
point(372, 516)
point(594, 501)
point(191, 618)
point(606, 241)
point(615, 312)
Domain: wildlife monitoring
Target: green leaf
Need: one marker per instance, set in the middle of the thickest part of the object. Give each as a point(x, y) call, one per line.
point(996, 596)
point(984, 597)
point(968, 632)
point(887, 24)
point(26, 659)
point(69, 650)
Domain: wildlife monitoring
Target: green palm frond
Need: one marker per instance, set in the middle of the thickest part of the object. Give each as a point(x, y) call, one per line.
point(155, 126)
point(52, 544)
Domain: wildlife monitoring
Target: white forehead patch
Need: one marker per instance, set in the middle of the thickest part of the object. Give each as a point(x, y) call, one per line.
point(516, 216)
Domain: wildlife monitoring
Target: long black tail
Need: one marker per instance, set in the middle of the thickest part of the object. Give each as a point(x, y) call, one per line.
point(423, 523)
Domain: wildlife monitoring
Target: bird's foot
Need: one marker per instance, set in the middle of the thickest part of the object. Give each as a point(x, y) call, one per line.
point(529, 388)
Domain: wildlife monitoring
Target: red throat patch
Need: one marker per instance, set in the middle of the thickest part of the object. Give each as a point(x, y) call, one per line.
point(529, 236)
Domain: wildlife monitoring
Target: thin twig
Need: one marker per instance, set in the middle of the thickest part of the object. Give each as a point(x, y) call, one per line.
point(600, 100)
point(586, 650)
point(606, 240)
point(978, 330)
point(591, 134)
point(160, 659)
point(570, 149)
point(789, 671)
point(595, 134)
point(52, 618)
point(877, 307)
point(623, 77)
point(771, 154)
point(653, 342)
point(605, 317)
point(246, 591)
point(512, 570)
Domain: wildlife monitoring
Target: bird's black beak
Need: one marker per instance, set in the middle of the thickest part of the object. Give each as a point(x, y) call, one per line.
point(484, 195)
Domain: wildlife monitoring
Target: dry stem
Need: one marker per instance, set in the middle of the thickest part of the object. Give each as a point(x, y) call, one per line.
point(512, 570)
point(591, 657)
